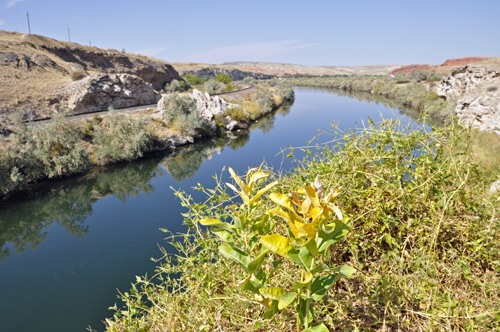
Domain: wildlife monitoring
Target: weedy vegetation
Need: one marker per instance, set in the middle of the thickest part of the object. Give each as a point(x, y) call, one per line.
point(385, 228)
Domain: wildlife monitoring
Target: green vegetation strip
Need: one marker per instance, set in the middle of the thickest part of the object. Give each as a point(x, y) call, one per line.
point(403, 215)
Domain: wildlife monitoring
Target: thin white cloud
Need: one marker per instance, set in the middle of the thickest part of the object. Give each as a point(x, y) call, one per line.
point(11, 3)
point(247, 52)
point(152, 51)
point(2, 22)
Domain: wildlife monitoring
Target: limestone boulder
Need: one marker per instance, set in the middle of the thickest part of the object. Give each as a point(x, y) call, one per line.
point(467, 79)
point(480, 108)
point(99, 92)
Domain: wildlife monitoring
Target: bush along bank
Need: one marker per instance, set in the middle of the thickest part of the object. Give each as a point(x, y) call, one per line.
point(416, 90)
point(388, 228)
point(29, 152)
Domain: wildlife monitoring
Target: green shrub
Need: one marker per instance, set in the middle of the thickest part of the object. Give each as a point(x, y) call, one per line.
point(264, 100)
point(176, 86)
point(213, 87)
point(223, 78)
point(120, 137)
point(194, 80)
point(249, 80)
point(180, 113)
point(36, 152)
point(237, 114)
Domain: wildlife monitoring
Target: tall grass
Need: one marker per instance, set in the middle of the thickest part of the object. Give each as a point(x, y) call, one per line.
point(424, 240)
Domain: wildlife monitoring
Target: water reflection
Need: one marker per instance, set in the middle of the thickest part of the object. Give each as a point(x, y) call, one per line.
point(25, 219)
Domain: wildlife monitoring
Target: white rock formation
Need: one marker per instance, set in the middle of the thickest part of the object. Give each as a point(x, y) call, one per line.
point(476, 88)
point(466, 79)
point(481, 108)
point(210, 106)
point(99, 92)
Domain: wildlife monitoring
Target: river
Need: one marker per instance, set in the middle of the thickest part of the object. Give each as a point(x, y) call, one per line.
point(67, 245)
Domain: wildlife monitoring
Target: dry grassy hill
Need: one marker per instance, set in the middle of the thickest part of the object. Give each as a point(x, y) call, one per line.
point(33, 67)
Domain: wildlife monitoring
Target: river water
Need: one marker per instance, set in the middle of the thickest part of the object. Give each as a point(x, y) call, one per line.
point(67, 245)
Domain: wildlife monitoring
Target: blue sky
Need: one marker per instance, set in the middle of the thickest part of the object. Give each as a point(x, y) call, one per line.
point(336, 33)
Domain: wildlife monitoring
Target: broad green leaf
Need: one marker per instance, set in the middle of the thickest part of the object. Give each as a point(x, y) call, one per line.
point(333, 233)
point(257, 262)
point(320, 268)
point(272, 311)
point(251, 286)
point(321, 284)
point(345, 270)
point(215, 223)
point(301, 257)
point(262, 192)
point(312, 246)
point(276, 243)
point(277, 263)
point(286, 299)
point(236, 255)
point(282, 200)
point(318, 328)
point(223, 235)
point(302, 284)
point(273, 293)
point(240, 183)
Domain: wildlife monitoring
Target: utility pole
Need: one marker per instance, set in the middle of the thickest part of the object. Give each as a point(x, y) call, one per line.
point(69, 37)
point(28, 16)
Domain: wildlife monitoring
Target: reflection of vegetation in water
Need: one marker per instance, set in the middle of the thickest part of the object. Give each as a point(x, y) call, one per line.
point(184, 162)
point(68, 203)
point(390, 103)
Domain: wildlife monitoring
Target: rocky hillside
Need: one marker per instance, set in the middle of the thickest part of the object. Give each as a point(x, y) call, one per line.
point(446, 67)
point(476, 90)
point(210, 71)
point(286, 68)
point(33, 68)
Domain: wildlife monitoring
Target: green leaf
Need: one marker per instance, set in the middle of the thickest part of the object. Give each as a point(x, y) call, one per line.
point(344, 270)
point(318, 328)
point(312, 246)
point(273, 293)
point(216, 223)
point(223, 235)
point(321, 284)
point(257, 262)
point(252, 286)
point(272, 311)
point(320, 268)
point(331, 235)
point(276, 243)
point(276, 263)
point(301, 257)
point(302, 284)
point(236, 255)
point(286, 299)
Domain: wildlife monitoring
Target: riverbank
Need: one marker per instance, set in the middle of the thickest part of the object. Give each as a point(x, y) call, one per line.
point(422, 240)
point(417, 91)
point(30, 153)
